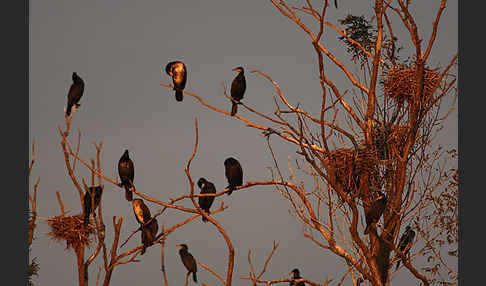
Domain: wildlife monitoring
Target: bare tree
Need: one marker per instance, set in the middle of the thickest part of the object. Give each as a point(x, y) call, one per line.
point(365, 142)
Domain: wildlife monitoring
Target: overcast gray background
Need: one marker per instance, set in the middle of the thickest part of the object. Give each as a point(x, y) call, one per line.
point(120, 51)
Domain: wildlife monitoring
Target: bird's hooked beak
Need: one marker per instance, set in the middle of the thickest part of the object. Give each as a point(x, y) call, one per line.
point(179, 246)
point(236, 69)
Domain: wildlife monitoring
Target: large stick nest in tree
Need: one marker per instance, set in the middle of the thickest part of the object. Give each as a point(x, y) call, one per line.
point(400, 83)
point(71, 229)
point(389, 140)
point(354, 169)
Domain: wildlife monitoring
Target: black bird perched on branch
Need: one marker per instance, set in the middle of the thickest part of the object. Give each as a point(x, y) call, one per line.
point(234, 173)
point(126, 171)
point(374, 213)
point(238, 88)
point(95, 192)
point(406, 242)
point(75, 93)
point(188, 260)
point(295, 274)
point(149, 232)
point(141, 211)
point(206, 202)
point(143, 216)
point(177, 70)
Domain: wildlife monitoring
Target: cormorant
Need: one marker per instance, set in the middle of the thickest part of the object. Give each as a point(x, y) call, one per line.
point(149, 232)
point(177, 70)
point(141, 211)
point(406, 242)
point(188, 260)
point(97, 191)
point(295, 274)
point(234, 173)
point(374, 213)
point(143, 216)
point(127, 173)
point(238, 87)
point(206, 202)
point(75, 93)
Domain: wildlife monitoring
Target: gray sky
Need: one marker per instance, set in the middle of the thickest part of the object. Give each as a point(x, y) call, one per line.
point(120, 51)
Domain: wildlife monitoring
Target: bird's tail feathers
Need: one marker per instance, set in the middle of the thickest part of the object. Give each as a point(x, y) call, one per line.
point(68, 110)
point(204, 218)
point(231, 189)
point(178, 95)
point(194, 276)
point(128, 193)
point(234, 108)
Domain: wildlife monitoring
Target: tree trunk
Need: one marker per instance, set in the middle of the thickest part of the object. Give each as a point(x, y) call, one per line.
point(81, 269)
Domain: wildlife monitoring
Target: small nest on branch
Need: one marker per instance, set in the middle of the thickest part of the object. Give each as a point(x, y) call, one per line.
point(354, 170)
point(399, 83)
point(70, 229)
point(389, 139)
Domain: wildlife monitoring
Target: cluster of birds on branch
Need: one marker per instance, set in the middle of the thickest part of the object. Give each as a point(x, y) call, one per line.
point(126, 170)
point(234, 174)
point(178, 72)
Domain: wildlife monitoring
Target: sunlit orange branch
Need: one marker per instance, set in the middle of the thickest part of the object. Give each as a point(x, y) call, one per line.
point(212, 271)
point(248, 122)
point(434, 29)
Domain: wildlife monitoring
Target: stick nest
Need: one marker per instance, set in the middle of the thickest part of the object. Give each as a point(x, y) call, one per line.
point(400, 85)
point(354, 168)
point(72, 230)
point(389, 140)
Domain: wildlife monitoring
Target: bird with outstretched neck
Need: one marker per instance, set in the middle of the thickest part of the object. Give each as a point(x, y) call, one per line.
point(126, 171)
point(178, 72)
point(234, 173)
point(188, 261)
point(75, 93)
point(238, 88)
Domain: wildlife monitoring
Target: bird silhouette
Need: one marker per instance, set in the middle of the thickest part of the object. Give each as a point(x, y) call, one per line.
point(234, 173)
point(95, 192)
point(126, 171)
point(188, 261)
point(406, 242)
point(374, 213)
point(75, 93)
point(238, 88)
point(206, 202)
point(149, 232)
point(295, 274)
point(178, 72)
